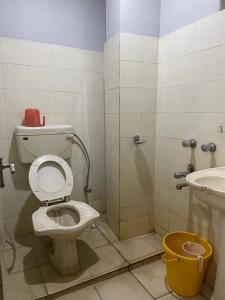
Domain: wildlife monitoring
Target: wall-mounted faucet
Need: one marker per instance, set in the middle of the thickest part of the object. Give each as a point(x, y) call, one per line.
point(177, 175)
point(211, 147)
point(2, 167)
point(180, 186)
point(190, 169)
point(137, 140)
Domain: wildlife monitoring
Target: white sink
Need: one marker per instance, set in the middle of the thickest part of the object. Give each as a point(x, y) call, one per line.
point(209, 187)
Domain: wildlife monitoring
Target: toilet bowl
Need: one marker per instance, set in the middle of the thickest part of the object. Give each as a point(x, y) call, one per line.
point(63, 220)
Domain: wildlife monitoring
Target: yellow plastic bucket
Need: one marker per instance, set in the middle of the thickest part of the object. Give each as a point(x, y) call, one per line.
point(183, 274)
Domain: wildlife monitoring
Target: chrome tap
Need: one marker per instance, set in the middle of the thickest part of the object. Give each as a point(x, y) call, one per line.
point(190, 169)
point(189, 143)
point(180, 186)
point(2, 167)
point(211, 147)
point(177, 175)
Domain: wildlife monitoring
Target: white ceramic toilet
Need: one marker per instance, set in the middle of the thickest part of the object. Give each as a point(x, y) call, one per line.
point(51, 180)
point(63, 220)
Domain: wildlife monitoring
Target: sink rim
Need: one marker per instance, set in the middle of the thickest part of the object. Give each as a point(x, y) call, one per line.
point(212, 172)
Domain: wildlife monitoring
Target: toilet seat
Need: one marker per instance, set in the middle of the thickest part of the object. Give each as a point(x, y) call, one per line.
point(44, 225)
point(50, 178)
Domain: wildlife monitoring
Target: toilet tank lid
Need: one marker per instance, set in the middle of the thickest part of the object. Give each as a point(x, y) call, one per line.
point(49, 129)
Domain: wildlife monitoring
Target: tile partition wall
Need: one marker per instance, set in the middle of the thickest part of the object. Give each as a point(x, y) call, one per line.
point(130, 107)
point(66, 84)
point(191, 104)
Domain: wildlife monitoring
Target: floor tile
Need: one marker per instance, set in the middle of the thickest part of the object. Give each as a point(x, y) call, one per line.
point(107, 232)
point(138, 248)
point(198, 297)
point(39, 246)
point(207, 291)
point(122, 287)
point(55, 282)
point(24, 286)
point(92, 263)
point(88, 293)
point(25, 259)
point(91, 238)
point(101, 260)
point(152, 276)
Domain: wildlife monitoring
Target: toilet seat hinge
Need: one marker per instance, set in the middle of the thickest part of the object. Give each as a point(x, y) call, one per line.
point(55, 201)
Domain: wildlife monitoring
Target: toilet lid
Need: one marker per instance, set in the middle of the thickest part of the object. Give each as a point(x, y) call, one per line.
point(50, 178)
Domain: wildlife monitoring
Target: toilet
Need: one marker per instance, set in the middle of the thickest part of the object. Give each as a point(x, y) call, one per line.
point(51, 180)
point(63, 220)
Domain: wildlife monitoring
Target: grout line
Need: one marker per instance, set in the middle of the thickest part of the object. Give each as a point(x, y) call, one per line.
point(96, 289)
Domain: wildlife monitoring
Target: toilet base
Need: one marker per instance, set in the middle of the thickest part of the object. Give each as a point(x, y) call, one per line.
point(63, 256)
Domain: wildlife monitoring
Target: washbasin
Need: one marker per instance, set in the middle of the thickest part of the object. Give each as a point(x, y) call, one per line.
point(209, 186)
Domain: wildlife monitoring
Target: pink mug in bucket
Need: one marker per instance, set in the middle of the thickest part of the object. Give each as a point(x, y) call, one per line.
point(194, 250)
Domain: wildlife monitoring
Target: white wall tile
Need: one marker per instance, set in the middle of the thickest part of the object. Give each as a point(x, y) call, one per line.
point(221, 102)
point(130, 100)
point(2, 101)
point(149, 100)
point(130, 74)
point(150, 49)
point(208, 32)
point(112, 101)
point(185, 40)
point(130, 124)
point(1, 76)
point(163, 74)
point(149, 75)
point(130, 47)
point(39, 54)
point(83, 82)
point(166, 47)
point(222, 61)
point(162, 100)
point(64, 80)
point(161, 216)
point(14, 51)
point(111, 50)
point(181, 70)
point(43, 100)
point(3, 127)
point(179, 98)
point(148, 124)
point(112, 125)
point(178, 125)
point(1, 49)
point(161, 125)
point(112, 76)
point(64, 102)
point(207, 65)
point(17, 100)
point(206, 96)
point(223, 27)
point(41, 78)
point(82, 60)
point(16, 76)
point(63, 57)
point(88, 61)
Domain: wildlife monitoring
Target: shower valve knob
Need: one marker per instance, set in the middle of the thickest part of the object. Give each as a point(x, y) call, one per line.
point(189, 143)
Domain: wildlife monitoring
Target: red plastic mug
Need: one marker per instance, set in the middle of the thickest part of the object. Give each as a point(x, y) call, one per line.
point(32, 118)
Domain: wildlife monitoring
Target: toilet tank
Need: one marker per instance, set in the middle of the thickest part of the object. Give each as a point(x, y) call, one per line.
point(33, 142)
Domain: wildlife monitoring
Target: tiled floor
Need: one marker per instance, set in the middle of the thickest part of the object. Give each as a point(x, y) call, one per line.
point(146, 283)
point(99, 253)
